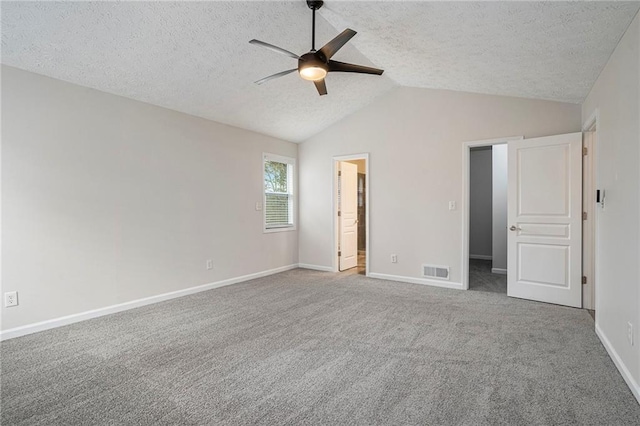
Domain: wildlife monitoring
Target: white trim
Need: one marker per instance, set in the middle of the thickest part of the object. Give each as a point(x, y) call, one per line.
point(278, 229)
point(500, 271)
point(2, 289)
point(334, 208)
point(593, 119)
point(412, 280)
point(315, 267)
point(82, 316)
point(594, 122)
point(266, 156)
point(466, 154)
point(624, 371)
point(480, 257)
point(591, 209)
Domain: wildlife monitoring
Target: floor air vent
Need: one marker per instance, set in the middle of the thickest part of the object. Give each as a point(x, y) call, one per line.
point(434, 271)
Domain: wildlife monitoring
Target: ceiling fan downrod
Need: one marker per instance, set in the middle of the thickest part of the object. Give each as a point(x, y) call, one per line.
point(314, 5)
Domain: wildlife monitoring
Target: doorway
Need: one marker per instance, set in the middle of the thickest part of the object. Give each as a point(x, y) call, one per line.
point(484, 265)
point(544, 205)
point(351, 219)
point(488, 218)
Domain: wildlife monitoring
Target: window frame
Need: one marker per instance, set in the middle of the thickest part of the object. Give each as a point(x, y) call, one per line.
point(291, 180)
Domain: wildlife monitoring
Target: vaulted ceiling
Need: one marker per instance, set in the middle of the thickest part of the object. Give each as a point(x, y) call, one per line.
point(195, 57)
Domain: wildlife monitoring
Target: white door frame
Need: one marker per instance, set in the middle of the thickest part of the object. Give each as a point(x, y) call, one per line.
point(336, 159)
point(466, 156)
point(592, 123)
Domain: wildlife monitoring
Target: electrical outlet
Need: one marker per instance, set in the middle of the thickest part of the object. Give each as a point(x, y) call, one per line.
point(630, 333)
point(209, 264)
point(394, 258)
point(452, 205)
point(258, 206)
point(10, 299)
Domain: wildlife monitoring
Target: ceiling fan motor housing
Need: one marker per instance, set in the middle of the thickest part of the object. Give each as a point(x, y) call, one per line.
point(313, 61)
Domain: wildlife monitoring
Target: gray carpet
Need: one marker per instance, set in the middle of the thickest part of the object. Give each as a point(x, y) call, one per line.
point(481, 278)
point(306, 347)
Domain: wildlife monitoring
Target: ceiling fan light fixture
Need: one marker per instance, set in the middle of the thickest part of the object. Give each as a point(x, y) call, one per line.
point(315, 64)
point(313, 73)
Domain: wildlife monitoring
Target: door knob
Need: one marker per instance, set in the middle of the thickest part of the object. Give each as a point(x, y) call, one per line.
point(514, 228)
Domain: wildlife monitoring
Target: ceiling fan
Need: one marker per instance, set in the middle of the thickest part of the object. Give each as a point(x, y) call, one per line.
point(315, 65)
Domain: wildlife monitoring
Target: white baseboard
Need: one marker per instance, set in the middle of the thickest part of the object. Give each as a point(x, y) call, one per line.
point(480, 257)
point(82, 316)
point(412, 280)
point(315, 267)
point(499, 271)
point(622, 368)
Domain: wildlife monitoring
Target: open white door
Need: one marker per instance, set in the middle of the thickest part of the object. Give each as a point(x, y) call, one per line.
point(348, 216)
point(545, 219)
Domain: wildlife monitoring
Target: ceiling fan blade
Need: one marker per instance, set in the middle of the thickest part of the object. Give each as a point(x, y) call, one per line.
point(344, 67)
point(277, 75)
point(334, 45)
point(321, 86)
point(274, 48)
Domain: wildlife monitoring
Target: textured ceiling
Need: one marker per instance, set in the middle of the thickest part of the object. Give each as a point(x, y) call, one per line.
point(195, 57)
point(545, 50)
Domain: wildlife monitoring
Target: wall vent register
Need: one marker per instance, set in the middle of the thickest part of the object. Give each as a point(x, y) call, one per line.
point(434, 271)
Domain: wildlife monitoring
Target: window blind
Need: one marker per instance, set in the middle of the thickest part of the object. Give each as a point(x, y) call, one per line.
point(278, 190)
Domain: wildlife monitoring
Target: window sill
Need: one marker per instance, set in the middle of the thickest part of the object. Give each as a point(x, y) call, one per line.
point(279, 229)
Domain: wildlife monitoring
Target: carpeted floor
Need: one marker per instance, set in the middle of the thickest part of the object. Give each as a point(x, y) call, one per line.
point(481, 278)
point(305, 347)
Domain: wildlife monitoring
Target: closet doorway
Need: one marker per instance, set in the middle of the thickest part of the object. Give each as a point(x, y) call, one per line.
point(488, 218)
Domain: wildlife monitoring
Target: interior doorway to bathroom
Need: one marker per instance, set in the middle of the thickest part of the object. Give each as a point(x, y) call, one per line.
point(351, 214)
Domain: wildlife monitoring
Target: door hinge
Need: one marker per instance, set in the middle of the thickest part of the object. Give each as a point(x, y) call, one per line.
point(584, 215)
point(584, 279)
point(339, 253)
point(339, 214)
point(585, 150)
point(339, 173)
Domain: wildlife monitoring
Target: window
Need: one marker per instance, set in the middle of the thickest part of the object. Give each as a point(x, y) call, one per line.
point(278, 193)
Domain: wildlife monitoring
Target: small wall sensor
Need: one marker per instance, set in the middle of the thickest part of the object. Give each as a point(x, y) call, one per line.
point(600, 197)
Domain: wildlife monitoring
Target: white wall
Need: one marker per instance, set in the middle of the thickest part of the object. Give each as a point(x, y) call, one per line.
point(414, 137)
point(616, 96)
point(499, 182)
point(480, 203)
point(107, 200)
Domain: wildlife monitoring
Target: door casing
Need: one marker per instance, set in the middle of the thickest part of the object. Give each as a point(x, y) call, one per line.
point(466, 158)
point(336, 159)
point(593, 287)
